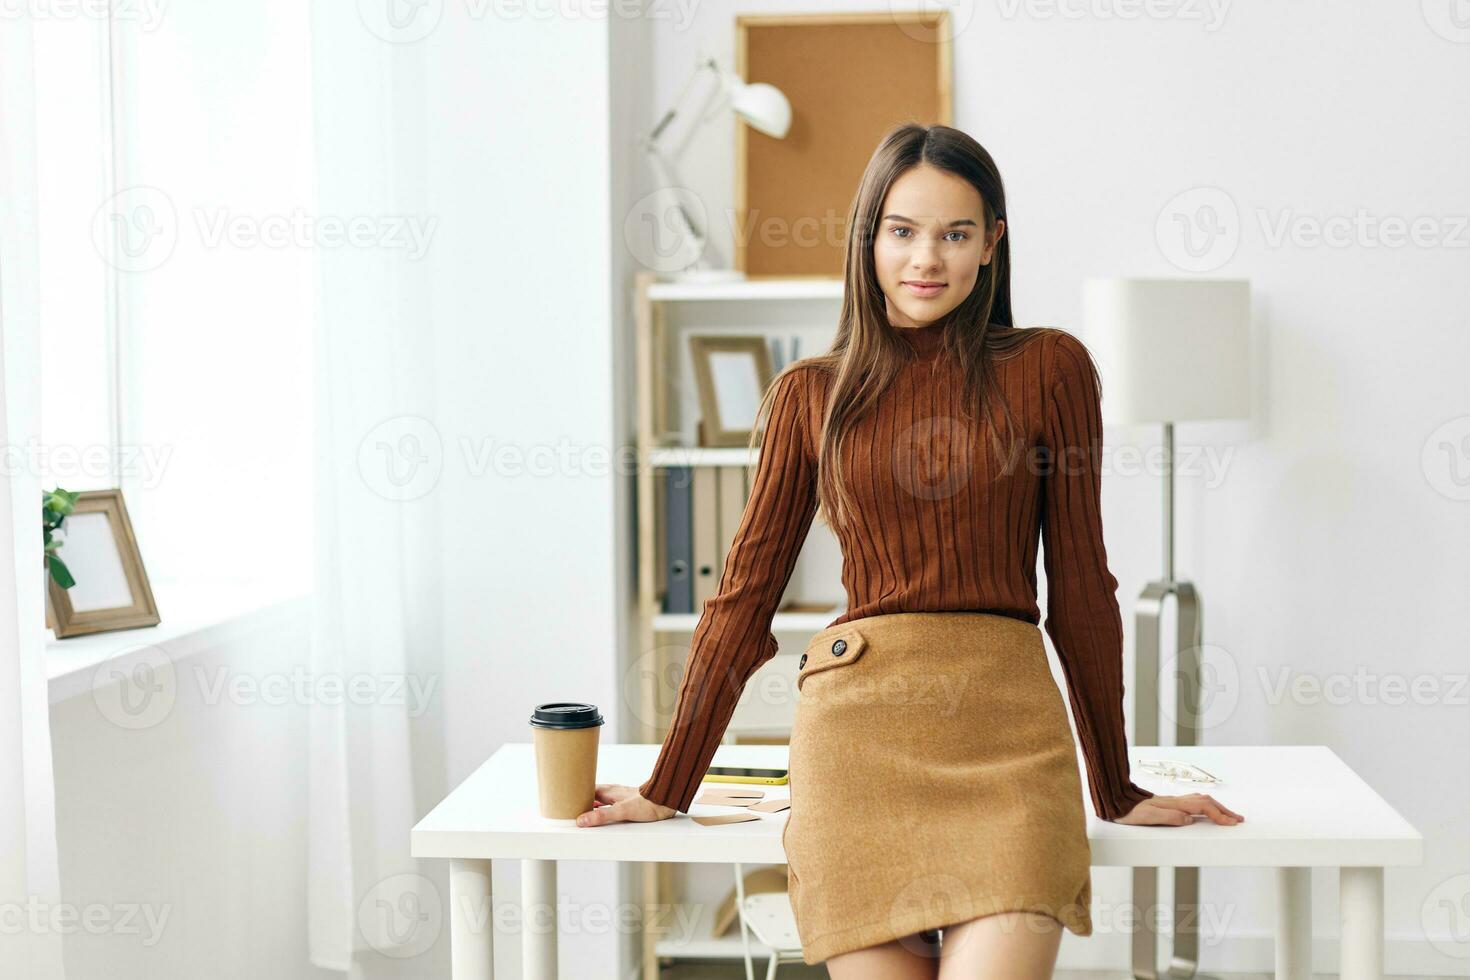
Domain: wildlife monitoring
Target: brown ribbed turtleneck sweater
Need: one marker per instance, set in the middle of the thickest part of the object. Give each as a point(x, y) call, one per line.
point(964, 541)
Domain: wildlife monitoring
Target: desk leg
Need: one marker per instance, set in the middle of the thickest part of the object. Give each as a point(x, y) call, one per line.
point(1360, 907)
point(1293, 924)
point(1145, 944)
point(538, 919)
point(471, 921)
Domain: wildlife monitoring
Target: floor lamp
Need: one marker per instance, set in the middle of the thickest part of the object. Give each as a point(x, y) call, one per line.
point(1169, 350)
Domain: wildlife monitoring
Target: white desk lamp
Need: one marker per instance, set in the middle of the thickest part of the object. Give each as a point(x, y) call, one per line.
point(1169, 350)
point(759, 105)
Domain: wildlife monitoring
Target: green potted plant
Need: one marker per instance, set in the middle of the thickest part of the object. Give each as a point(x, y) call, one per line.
point(55, 506)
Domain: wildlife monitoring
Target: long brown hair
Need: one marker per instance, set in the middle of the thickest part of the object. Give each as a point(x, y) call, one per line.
point(867, 352)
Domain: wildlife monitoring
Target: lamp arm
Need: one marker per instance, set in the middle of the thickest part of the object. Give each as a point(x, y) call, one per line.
point(668, 117)
point(726, 87)
point(663, 167)
point(664, 171)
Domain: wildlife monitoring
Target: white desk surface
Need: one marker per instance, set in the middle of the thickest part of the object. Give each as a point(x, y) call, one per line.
point(1303, 807)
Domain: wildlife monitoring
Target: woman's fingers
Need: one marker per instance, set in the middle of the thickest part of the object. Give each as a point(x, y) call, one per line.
point(610, 792)
point(1153, 812)
point(1217, 811)
point(599, 815)
point(1206, 805)
point(613, 803)
point(605, 798)
point(1172, 814)
point(1222, 806)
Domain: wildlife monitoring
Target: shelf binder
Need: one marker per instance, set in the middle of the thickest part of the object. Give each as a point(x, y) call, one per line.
point(679, 505)
point(704, 506)
point(707, 552)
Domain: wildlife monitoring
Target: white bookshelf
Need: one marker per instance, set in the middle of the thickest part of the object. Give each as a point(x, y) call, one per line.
point(702, 943)
point(666, 456)
point(745, 289)
point(664, 310)
point(790, 622)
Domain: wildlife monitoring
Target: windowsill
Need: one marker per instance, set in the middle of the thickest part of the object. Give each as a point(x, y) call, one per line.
point(196, 615)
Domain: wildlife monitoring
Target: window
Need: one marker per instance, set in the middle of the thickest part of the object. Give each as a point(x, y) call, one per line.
point(72, 123)
point(178, 307)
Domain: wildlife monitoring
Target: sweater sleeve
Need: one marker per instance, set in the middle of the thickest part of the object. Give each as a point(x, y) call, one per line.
point(1083, 619)
point(733, 637)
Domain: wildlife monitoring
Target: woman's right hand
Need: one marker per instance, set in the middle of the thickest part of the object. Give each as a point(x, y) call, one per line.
point(614, 803)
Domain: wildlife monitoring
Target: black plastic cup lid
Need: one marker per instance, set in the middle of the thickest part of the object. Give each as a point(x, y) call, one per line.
point(566, 714)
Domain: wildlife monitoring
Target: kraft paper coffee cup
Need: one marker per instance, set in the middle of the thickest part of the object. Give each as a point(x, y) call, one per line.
point(566, 734)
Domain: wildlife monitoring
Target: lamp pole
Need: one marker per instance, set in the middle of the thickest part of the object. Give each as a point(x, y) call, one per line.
point(1184, 956)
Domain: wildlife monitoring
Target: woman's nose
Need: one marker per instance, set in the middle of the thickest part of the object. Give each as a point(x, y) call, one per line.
point(924, 256)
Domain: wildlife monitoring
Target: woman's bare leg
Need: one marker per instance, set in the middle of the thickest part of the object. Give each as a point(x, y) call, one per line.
point(1003, 946)
point(910, 958)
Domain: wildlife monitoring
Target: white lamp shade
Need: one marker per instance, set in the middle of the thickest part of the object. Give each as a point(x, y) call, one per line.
point(1170, 350)
point(762, 106)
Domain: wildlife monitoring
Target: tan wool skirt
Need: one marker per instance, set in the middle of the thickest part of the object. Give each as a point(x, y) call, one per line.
point(933, 779)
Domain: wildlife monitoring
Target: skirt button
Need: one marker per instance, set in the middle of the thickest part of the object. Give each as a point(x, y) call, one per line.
point(839, 648)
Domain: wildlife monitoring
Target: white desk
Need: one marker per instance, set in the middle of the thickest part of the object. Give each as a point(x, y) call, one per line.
point(1303, 808)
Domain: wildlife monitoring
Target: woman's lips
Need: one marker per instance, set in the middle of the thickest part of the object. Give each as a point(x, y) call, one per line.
point(933, 289)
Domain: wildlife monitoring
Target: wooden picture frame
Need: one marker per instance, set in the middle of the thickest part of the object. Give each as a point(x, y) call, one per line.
point(850, 78)
point(732, 374)
point(101, 551)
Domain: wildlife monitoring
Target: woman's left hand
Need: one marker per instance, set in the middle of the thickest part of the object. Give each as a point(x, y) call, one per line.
point(614, 803)
point(1179, 811)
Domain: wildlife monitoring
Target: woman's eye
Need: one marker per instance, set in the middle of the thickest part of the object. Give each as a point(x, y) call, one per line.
point(962, 234)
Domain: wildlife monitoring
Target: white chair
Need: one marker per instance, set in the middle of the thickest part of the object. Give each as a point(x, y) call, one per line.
point(770, 917)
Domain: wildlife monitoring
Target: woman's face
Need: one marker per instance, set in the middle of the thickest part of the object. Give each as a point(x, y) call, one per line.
point(931, 230)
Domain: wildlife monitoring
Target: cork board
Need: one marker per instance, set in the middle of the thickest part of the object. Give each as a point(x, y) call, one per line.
point(850, 78)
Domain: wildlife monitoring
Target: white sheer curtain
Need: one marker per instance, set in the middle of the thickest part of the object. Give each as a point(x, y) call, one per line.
point(28, 868)
point(375, 767)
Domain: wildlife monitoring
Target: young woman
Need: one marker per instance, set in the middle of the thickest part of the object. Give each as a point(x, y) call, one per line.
point(933, 774)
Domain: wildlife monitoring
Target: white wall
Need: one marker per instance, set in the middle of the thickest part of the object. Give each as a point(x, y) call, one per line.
point(183, 825)
point(1326, 546)
point(530, 297)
